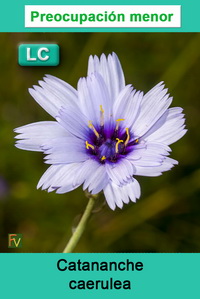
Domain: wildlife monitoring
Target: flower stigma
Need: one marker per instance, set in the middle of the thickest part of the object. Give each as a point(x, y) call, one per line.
point(117, 145)
point(118, 121)
point(103, 158)
point(101, 116)
point(89, 145)
point(93, 128)
point(128, 137)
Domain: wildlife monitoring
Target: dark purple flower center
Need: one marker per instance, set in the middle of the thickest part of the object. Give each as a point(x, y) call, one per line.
point(109, 144)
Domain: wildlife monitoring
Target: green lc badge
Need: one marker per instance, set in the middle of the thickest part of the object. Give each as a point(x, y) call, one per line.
point(38, 55)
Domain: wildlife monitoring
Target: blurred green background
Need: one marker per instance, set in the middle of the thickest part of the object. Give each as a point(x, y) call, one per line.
point(167, 216)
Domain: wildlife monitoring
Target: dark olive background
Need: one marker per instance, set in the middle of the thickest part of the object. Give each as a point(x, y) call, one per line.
point(167, 216)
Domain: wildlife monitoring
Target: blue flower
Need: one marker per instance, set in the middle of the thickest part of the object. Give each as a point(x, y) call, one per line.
point(105, 132)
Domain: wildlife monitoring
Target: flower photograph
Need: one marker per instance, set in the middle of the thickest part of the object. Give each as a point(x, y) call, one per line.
point(113, 168)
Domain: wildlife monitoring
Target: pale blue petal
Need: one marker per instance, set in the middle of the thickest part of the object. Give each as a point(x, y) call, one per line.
point(127, 106)
point(67, 143)
point(131, 191)
point(32, 136)
point(58, 175)
point(93, 95)
point(47, 178)
point(62, 157)
point(67, 181)
point(74, 121)
point(154, 171)
point(90, 173)
point(169, 128)
point(116, 196)
point(133, 108)
point(96, 178)
point(65, 150)
point(150, 155)
point(52, 99)
point(111, 71)
point(100, 185)
point(62, 87)
point(153, 106)
point(109, 196)
point(120, 172)
point(63, 96)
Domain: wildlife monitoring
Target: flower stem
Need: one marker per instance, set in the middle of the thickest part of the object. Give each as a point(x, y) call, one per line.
point(82, 224)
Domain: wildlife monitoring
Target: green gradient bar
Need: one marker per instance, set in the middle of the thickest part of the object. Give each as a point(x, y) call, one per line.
point(37, 275)
point(13, 16)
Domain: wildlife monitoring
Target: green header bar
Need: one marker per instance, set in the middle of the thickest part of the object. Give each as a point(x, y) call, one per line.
point(13, 16)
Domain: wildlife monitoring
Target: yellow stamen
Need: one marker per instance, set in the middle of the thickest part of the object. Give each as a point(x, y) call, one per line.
point(89, 145)
point(93, 128)
point(101, 109)
point(101, 116)
point(128, 137)
point(136, 140)
point(117, 144)
point(118, 121)
point(103, 158)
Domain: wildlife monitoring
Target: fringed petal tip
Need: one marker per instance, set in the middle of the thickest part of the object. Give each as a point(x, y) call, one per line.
point(118, 196)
